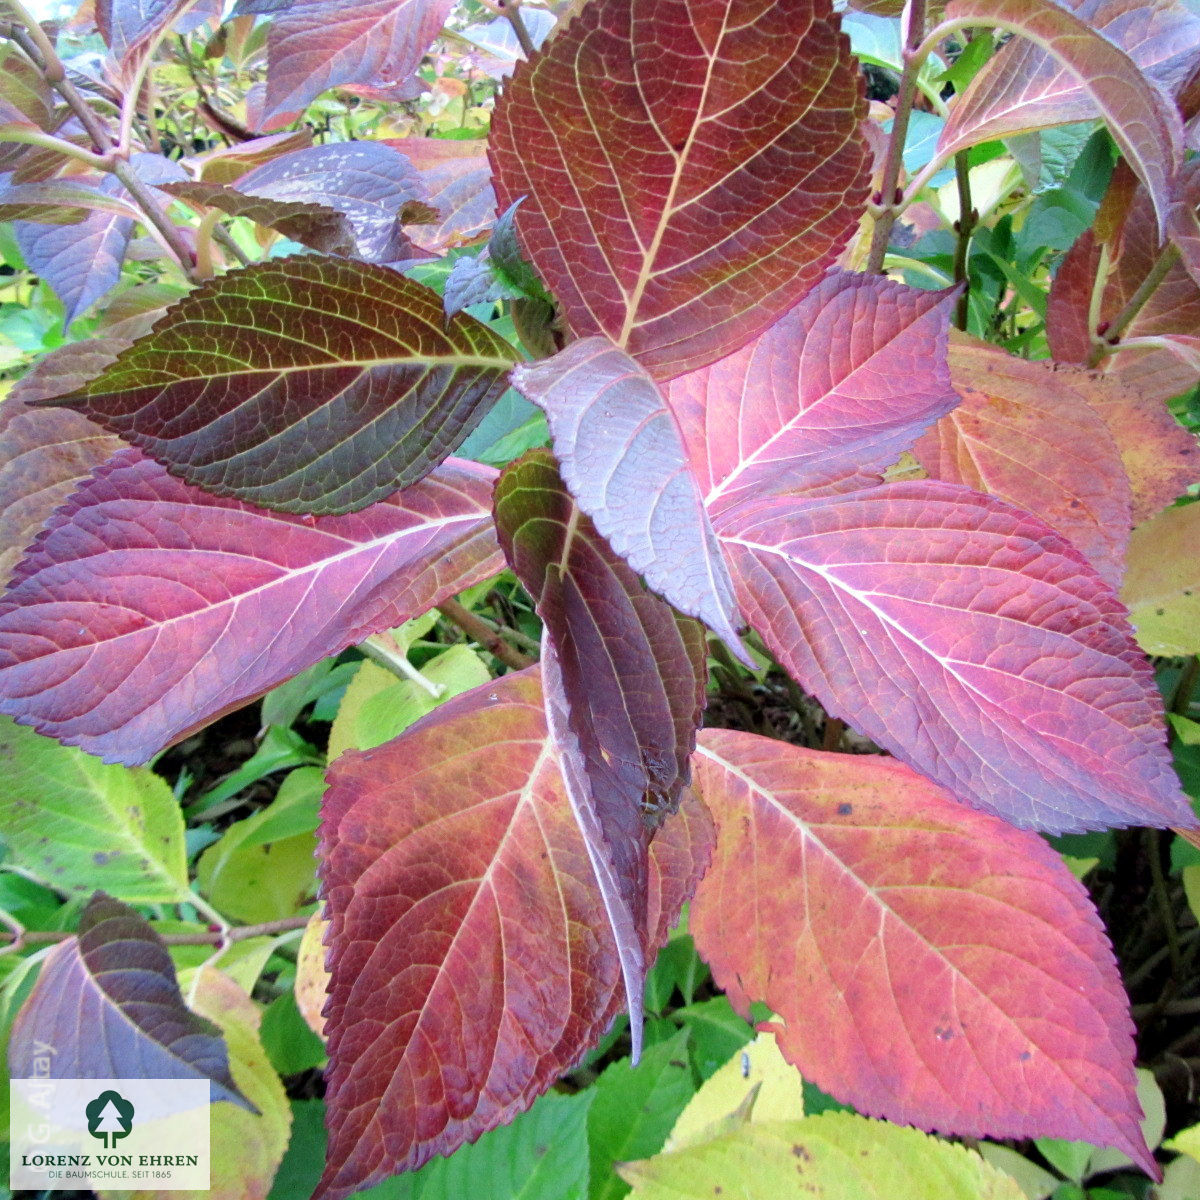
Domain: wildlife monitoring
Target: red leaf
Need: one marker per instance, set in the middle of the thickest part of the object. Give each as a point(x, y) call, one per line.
point(968, 639)
point(823, 401)
point(45, 452)
point(109, 1003)
point(1025, 433)
point(621, 453)
point(314, 45)
point(1142, 119)
point(304, 384)
point(1023, 87)
point(690, 168)
point(149, 607)
point(459, 181)
point(471, 956)
point(624, 682)
point(930, 965)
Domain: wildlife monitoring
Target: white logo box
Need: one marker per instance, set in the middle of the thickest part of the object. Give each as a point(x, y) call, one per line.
point(141, 1134)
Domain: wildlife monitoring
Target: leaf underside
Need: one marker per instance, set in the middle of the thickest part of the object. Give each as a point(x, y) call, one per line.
point(624, 682)
point(622, 455)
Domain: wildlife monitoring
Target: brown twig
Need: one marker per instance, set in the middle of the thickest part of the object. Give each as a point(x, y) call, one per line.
point(212, 937)
point(511, 11)
point(886, 210)
point(480, 631)
point(968, 218)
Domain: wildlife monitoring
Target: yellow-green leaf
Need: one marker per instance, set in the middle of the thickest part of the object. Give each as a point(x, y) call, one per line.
point(757, 1084)
point(836, 1156)
point(246, 1148)
point(1162, 582)
point(263, 868)
point(312, 979)
point(82, 824)
point(377, 705)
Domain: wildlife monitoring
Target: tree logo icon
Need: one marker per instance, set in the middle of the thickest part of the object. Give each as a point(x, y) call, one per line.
point(109, 1118)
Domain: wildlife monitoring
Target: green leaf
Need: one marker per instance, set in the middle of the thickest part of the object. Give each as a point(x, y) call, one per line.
point(542, 1155)
point(306, 385)
point(678, 966)
point(717, 1033)
point(82, 824)
point(378, 706)
point(279, 750)
point(263, 868)
point(837, 1156)
point(1068, 1158)
point(284, 704)
point(290, 1044)
point(634, 1109)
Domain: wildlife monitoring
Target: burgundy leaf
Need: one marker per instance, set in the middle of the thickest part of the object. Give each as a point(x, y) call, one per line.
point(109, 1004)
point(690, 168)
point(1024, 87)
point(624, 691)
point(149, 607)
point(314, 45)
point(1025, 432)
point(928, 964)
point(471, 958)
point(368, 182)
point(971, 641)
point(80, 262)
point(621, 454)
point(1141, 117)
point(823, 401)
point(304, 384)
point(44, 453)
point(303, 221)
point(459, 183)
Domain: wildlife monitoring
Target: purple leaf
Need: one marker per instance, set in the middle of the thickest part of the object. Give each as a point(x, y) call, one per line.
point(825, 399)
point(109, 1004)
point(80, 262)
point(370, 183)
point(314, 45)
point(971, 641)
point(148, 608)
